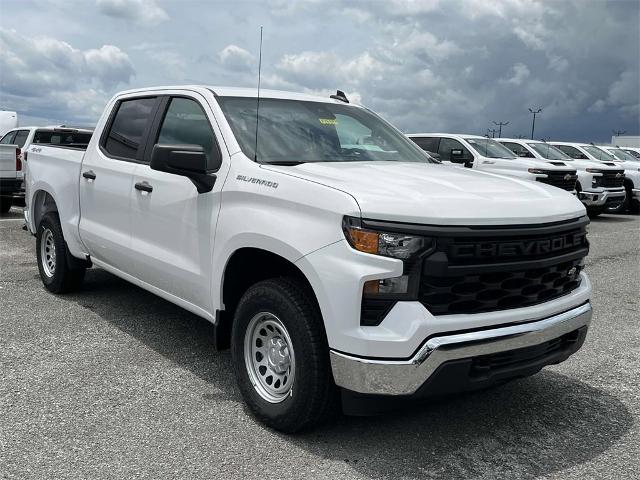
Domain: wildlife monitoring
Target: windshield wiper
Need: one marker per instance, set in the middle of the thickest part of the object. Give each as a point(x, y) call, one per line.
point(286, 163)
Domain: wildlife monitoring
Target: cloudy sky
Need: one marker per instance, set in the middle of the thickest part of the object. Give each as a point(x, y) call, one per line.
point(430, 65)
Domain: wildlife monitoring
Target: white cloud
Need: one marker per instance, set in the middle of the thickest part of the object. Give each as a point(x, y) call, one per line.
point(519, 73)
point(47, 73)
point(146, 12)
point(236, 58)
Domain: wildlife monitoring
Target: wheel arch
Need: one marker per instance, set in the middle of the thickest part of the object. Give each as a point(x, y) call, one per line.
point(245, 267)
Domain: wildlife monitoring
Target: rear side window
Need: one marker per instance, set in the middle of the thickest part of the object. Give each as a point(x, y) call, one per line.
point(8, 138)
point(21, 137)
point(426, 143)
point(185, 123)
point(128, 127)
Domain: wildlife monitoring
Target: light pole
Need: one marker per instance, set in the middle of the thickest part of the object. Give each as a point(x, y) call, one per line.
point(500, 125)
point(617, 133)
point(491, 132)
point(533, 123)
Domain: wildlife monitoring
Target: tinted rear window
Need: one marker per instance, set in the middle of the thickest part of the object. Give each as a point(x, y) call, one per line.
point(52, 137)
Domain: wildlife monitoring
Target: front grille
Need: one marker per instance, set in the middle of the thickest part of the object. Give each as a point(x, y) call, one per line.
point(494, 364)
point(614, 179)
point(474, 293)
point(563, 180)
point(486, 269)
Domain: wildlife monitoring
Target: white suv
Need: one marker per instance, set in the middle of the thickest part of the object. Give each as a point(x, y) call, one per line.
point(482, 153)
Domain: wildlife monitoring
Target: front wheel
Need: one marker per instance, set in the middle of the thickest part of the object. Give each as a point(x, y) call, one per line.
point(280, 356)
point(5, 204)
point(594, 211)
point(51, 249)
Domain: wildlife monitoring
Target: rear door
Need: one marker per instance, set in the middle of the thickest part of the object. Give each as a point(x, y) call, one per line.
point(106, 182)
point(173, 225)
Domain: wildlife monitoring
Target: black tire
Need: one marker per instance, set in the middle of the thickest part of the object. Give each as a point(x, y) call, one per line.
point(594, 211)
point(313, 396)
point(5, 204)
point(61, 278)
point(634, 206)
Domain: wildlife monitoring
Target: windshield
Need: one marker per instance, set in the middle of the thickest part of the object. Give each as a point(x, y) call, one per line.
point(490, 148)
point(550, 152)
point(598, 153)
point(622, 155)
point(293, 131)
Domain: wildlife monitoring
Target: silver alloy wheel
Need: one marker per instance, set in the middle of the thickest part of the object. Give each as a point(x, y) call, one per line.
point(48, 253)
point(269, 357)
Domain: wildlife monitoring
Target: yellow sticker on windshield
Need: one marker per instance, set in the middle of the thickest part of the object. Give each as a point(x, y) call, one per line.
point(328, 121)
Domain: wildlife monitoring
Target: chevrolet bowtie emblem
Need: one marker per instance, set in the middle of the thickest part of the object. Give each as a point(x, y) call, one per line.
point(572, 271)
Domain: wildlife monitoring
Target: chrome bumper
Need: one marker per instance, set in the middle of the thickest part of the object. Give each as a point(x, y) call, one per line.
point(597, 199)
point(404, 377)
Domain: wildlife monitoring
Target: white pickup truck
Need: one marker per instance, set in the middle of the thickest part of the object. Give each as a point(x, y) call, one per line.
point(631, 165)
point(335, 258)
point(592, 190)
point(483, 153)
point(13, 156)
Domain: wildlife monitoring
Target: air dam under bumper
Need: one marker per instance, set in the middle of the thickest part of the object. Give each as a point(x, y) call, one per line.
point(405, 377)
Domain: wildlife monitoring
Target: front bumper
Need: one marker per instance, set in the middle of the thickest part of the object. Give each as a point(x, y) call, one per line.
point(635, 194)
point(599, 199)
point(406, 377)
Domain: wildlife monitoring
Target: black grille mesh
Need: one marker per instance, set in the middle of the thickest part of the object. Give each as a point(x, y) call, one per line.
point(611, 180)
point(557, 179)
point(473, 293)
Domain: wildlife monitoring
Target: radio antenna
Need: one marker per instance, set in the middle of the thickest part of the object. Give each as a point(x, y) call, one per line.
point(255, 151)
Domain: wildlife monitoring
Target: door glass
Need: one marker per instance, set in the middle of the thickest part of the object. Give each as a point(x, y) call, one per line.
point(428, 144)
point(21, 137)
point(186, 124)
point(8, 138)
point(572, 152)
point(518, 149)
point(128, 127)
point(449, 144)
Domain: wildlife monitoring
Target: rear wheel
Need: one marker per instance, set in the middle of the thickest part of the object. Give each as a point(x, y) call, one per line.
point(5, 204)
point(281, 357)
point(51, 249)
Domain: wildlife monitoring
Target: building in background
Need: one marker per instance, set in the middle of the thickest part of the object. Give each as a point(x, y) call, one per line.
point(626, 140)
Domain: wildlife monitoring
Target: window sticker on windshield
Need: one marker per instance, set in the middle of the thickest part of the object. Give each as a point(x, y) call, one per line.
point(328, 121)
point(471, 140)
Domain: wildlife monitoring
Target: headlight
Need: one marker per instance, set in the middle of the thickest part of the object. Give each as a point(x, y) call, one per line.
point(387, 244)
point(536, 171)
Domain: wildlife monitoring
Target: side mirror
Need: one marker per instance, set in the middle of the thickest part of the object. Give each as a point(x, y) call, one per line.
point(185, 160)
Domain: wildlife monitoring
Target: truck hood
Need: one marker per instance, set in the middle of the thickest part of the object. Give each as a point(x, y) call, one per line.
point(438, 194)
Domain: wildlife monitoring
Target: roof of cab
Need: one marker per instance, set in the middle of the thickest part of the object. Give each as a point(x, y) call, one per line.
point(440, 134)
point(239, 92)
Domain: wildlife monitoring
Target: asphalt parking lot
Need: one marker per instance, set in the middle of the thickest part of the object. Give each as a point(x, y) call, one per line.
point(113, 382)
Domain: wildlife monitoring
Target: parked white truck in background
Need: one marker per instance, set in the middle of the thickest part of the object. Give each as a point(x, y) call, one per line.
point(591, 192)
point(13, 156)
point(331, 254)
point(631, 167)
point(482, 153)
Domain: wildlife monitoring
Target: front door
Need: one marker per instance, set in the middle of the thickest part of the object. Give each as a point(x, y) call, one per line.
point(174, 225)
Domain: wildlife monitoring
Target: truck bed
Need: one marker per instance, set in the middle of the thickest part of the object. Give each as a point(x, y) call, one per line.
point(56, 169)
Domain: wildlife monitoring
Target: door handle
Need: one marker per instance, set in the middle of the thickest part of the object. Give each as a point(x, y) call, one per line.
point(144, 187)
point(89, 175)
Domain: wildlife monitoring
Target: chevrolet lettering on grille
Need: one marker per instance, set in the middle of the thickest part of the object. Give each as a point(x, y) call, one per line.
point(517, 248)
